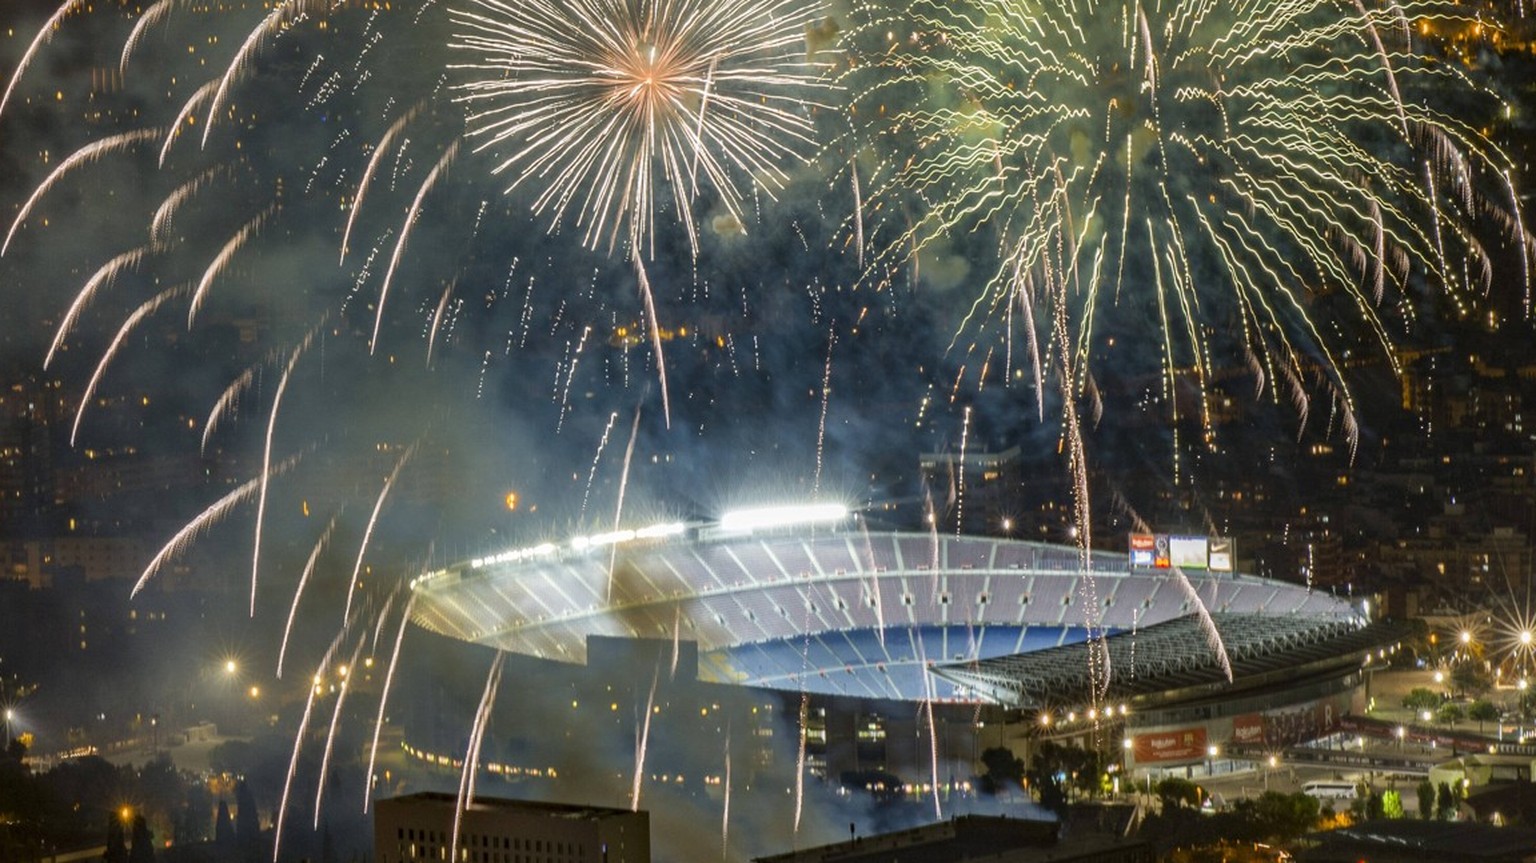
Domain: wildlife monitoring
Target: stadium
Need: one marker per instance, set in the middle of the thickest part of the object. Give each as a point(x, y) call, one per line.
point(806, 600)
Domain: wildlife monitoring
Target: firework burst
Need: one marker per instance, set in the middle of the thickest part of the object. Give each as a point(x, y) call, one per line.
point(1224, 183)
point(609, 105)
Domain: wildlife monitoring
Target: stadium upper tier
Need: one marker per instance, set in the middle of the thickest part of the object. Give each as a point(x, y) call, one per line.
point(834, 611)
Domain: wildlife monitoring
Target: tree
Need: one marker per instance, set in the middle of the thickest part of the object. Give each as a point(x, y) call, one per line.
point(1426, 799)
point(1420, 698)
point(1482, 711)
point(1445, 802)
point(1391, 803)
point(1282, 817)
point(1003, 770)
point(1056, 769)
point(223, 827)
point(117, 849)
point(1471, 678)
point(1449, 714)
point(143, 842)
point(247, 822)
point(1177, 793)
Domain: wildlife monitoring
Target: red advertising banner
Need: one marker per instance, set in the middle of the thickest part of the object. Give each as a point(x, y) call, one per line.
point(1185, 744)
point(1142, 547)
point(1248, 729)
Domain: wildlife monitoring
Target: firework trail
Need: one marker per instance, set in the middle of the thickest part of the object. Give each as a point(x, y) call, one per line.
point(384, 145)
point(933, 746)
point(144, 310)
point(437, 318)
point(298, 743)
point(476, 738)
point(1207, 625)
point(405, 236)
point(43, 37)
point(373, 518)
point(330, 735)
point(103, 276)
point(725, 808)
point(222, 259)
point(677, 640)
point(207, 518)
point(160, 223)
point(84, 156)
point(642, 740)
point(226, 404)
point(298, 592)
point(152, 16)
point(389, 677)
point(965, 438)
point(266, 460)
point(592, 474)
point(282, 14)
point(184, 117)
point(649, 299)
point(858, 210)
point(821, 424)
point(618, 509)
point(805, 708)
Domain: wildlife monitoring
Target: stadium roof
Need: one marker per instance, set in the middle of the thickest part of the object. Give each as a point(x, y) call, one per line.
point(1189, 652)
point(826, 609)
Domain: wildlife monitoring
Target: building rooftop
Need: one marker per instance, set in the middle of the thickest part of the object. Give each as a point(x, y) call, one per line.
point(548, 809)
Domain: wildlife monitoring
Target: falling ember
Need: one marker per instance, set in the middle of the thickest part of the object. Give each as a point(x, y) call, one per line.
point(342, 688)
point(129, 324)
point(466, 796)
point(298, 745)
point(389, 677)
point(649, 298)
point(602, 444)
point(298, 592)
point(411, 216)
point(373, 518)
point(805, 709)
point(103, 276)
point(84, 156)
point(725, 808)
point(618, 508)
point(42, 38)
point(642, 740)
point(821, 425)
point(266, 462)
point(206, 519)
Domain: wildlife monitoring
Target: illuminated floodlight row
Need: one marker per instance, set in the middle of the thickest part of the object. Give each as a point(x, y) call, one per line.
point(763, 518)
point(581, 543)
point(737, 521)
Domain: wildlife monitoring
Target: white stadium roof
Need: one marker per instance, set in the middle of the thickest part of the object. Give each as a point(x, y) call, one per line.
point(824, 609)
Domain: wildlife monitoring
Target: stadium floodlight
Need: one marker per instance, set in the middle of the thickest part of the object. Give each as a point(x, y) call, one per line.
point(657, 531)
point(599, 539)
point(783, 516)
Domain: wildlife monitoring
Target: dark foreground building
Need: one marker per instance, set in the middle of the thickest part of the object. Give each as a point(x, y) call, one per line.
point(973, 837)
point(494, 830)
